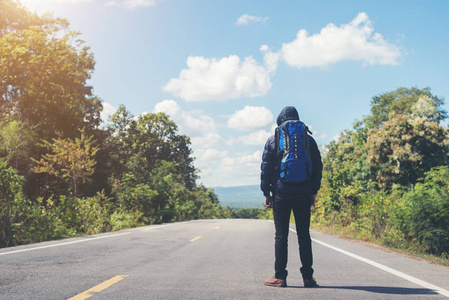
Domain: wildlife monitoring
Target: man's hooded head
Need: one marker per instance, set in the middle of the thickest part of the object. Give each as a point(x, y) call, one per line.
point(287, 113)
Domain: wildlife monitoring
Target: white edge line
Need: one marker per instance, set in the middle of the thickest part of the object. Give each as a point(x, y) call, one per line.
point(64, 244)
point(85, 240)
point(385, 268)
point(157, 227)
point(152, 227)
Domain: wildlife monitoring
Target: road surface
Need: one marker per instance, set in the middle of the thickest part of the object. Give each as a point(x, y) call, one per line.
point(209, 259)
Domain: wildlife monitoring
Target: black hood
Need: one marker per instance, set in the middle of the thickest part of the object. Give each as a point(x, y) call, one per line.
point(288, 113)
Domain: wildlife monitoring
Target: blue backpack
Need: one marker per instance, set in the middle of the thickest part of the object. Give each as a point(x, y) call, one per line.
point(292, 145)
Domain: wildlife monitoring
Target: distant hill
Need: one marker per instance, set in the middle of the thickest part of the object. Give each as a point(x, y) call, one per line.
point(248, 196)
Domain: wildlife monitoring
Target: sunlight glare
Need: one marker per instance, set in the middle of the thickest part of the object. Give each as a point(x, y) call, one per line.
point(41, 6)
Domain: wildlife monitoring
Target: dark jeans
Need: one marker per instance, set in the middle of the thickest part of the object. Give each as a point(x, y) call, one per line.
point(283, 204)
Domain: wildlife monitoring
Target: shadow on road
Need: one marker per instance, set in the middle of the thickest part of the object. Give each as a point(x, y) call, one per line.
point(380, 289)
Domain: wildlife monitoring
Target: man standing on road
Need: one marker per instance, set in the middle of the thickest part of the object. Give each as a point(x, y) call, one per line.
point(285, 195)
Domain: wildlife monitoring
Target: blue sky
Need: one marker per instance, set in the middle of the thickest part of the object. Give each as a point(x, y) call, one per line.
point(223, 69)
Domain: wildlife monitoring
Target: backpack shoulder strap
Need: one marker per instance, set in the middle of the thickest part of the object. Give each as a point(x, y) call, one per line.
point(276, 138)
point(306, 128)
point(306, 141)
point(277, 135)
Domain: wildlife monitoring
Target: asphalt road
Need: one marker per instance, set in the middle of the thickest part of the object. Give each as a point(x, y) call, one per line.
point(209, 259)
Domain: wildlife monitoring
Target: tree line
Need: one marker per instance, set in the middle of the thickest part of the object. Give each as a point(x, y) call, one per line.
point(62, 171)
point(387, 179)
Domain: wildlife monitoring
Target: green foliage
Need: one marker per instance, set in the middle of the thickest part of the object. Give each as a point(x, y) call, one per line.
point(251, 213)
point(16, 141)
point(131, 195)
point(46, 85)
point(47, 220)
point(10, 184)
point(405, 148)
point(44, 69)
point(10, 192)
point(402, 101)
point(206, 204)
point(15, 17)
point(143, 145)
point(374, 213)
point(424, 213)
point(93, 214)
point(121, 219)
point(346, 177)
point(371, 186)
point(70, 161)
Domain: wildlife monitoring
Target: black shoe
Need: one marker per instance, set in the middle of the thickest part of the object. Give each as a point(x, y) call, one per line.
point(310, 282)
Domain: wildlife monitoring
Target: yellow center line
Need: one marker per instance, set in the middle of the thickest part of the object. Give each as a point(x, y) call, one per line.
point(217, 227)
point(98, 288)
point(194, 239)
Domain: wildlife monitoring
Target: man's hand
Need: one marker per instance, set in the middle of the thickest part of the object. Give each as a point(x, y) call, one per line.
point(313, 200)
point(268, 202)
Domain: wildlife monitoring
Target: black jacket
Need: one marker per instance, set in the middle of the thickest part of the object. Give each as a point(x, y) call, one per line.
point(269, 177)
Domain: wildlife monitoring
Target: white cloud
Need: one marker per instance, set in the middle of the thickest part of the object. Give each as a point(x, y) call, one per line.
point(193, 124)
point(250, 118)
point(220, 79)
point(316, 134)
point(45, 5)
point(270, 59)
point(48, 4)
point(218, 168)
point(246, 19)
point(199, 127)
point(209, 140)
point(319, 137)
point(111, 3)
point(207, 79)
point(108, 110)
point(208, 157)
point(57, 1)
point(131, 4)
point(257, 138)
point(354, 41)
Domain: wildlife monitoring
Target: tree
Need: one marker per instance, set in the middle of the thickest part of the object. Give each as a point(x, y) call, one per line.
point(403, 136)
point(156, 139)
point(143, 143)
point(13, 16)
point(424, 212)
point(405, 148)
point(402, 101)
point(70, 161)
point(10, 188)
point(119, 142)
point(153, 168)
point(345, 170)
point(44, 69)
point(16, 142)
